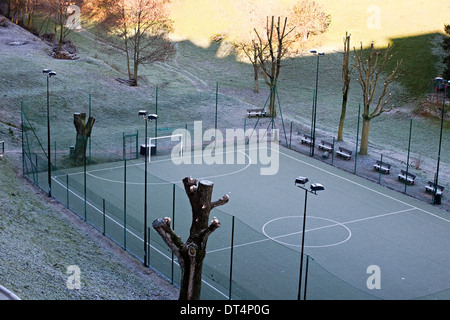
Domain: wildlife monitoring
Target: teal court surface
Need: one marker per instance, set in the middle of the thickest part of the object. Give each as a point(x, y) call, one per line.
point(352, 227)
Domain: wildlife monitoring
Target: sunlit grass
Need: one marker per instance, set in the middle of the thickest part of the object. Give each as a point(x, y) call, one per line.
point(367, 20)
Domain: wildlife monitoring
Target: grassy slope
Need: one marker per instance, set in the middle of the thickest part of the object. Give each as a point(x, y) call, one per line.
point(405, 24)
point(38, 241)
point(187, 84)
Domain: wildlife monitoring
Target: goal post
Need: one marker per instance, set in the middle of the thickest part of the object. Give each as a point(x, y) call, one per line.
point(172, 145)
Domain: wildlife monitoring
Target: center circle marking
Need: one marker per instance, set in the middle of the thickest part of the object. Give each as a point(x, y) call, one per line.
point(332, 225)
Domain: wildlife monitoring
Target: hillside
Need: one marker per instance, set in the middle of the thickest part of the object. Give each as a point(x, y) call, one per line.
point(186, 93)
point(40, 239)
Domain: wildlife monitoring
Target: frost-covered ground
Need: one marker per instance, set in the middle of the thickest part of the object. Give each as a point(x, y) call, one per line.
point(40, 239)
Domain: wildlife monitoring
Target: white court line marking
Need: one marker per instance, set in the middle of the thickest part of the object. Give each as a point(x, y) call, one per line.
point(168, 182)
point(363, 186)
point(313, 229)
point(334, 223)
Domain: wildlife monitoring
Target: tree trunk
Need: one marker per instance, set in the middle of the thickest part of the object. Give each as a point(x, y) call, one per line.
point(273, 102)
point(365, 136)
point(340, 136)
point(135, 73)
point(84, 130)
point(255, 72)
point(192, 253)
point(346, 71)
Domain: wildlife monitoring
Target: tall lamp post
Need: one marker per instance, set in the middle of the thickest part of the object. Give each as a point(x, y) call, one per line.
point(143, 114)
point(49, 73)
point(301, 182)
point(446, 84)
point(313, 126)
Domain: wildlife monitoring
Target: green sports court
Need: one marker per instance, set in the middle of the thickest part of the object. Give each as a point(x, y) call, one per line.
point(352, 226)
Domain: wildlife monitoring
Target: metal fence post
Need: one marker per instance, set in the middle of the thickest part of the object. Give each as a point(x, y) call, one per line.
point(231, 258)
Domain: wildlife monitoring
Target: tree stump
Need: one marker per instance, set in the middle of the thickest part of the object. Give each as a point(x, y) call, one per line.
point(84, 130)
point(192, 253)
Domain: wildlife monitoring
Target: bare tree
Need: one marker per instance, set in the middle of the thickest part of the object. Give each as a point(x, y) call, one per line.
point(371, 70)
point(143, 27)
point(270, 51)
point(58, 12)
point(251, 51)
point(346, 71)
point(192, 253)
point(247, 16)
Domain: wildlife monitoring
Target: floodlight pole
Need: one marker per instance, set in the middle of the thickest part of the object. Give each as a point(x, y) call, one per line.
point(147, 148)
point(446, 84)
point(303, 246)
point(145, 193)
point(303, 238)
point(319, 54)
point(49, 74)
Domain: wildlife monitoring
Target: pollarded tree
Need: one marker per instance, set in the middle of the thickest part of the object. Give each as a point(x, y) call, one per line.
point(191, 253)
point(372, 68)
point(346, 71)
point(84, 130)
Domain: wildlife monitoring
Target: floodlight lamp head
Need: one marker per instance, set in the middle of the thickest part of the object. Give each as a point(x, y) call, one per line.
point(51, 73)
point(301, 181)
point(152, 117)
point(321, 53)
point(142, 114)
point(313, 51)
point(317, 187)
point(46, 71)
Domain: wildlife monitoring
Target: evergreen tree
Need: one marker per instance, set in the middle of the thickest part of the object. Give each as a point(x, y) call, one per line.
point(446, 47)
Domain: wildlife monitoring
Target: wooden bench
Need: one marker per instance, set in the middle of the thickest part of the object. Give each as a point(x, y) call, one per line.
point(327, 146)
point(256, 113)
point(307, 139)
point(408, 178)
point(344, 153)
point(430, 188)
point(382, 166)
